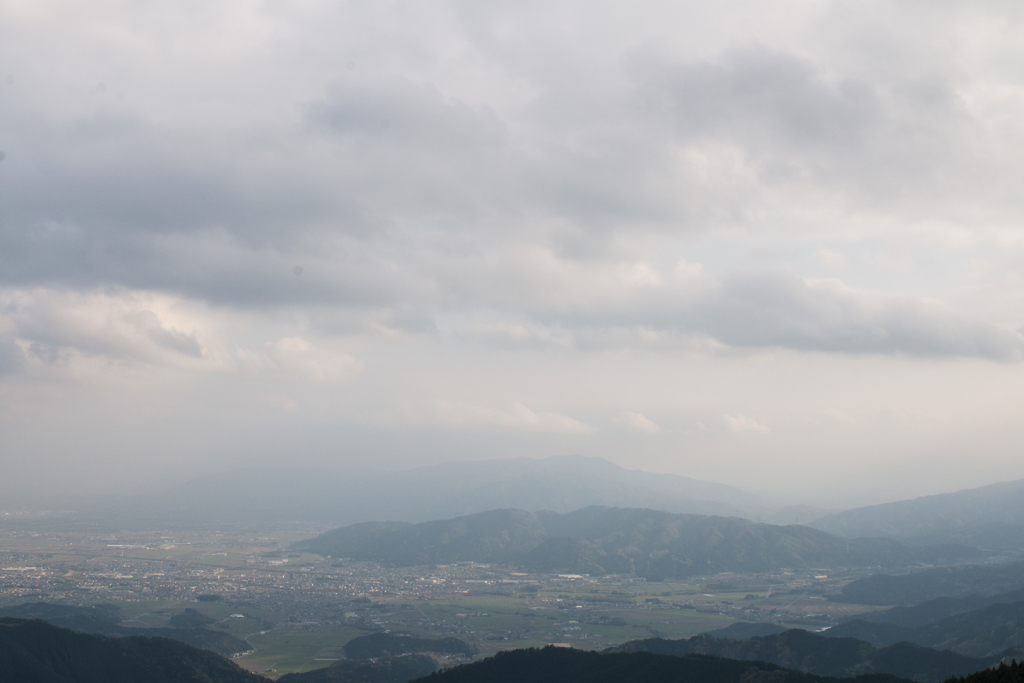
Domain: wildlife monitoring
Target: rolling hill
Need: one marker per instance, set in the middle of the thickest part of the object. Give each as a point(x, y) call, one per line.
point(565, 665)
point(986, 632)
point(33, 651)
point(381, 670)
point(812, 653)
point(967, 581)
point(988, 517)
point(604, 540)
point(106, 620)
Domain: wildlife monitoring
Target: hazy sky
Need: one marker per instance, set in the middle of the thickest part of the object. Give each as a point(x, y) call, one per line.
point(772, 244)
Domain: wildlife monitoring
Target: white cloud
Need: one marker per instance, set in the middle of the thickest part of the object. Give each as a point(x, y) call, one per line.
point(59, 327)
point(297, 355)
point(516, 416)
point(639, 422)
point(740, 423)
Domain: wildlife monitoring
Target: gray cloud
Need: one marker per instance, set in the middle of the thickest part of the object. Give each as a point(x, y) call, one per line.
point(498, 209)
point(405, 202)
point(748, 310)
point(778, 309)
point(11, 358)
point(175, 340)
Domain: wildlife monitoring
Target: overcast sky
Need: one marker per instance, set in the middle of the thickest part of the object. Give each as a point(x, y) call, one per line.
point(772, 244)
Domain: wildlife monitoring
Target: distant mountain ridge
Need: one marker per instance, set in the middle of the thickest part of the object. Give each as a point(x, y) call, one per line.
point(985, 632)
point(930, 611)
point(966, 581)
point(605, 540)
point(989, 517)
point(337, 497)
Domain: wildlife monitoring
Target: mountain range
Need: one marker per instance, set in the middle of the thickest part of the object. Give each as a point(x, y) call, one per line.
point(974, 581)
point(337, 497)
point(990, 517)
point(604, 540)
point(985, 632)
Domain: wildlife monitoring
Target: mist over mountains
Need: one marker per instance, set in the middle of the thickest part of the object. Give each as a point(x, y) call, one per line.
point(989, 517)
point(337, 497)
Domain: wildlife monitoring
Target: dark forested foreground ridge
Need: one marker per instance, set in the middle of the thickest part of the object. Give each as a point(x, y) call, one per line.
point(1004, 673)
point(376, 645)
point(603, 540)
point(564, 665)
point(383, 670)
point(105, 620)
point(837, 657)
point(33, 651)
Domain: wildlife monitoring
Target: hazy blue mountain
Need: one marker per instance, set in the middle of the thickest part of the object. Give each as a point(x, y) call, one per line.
point(986, 632)
point(33, 651)
point(988, 517)
point(106, 620)
point(599, 540)
point(335, 497)
point(939, 582)
point(812, 653)
point(565, 665)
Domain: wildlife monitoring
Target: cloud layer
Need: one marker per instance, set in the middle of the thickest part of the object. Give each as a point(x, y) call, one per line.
point(297, 199)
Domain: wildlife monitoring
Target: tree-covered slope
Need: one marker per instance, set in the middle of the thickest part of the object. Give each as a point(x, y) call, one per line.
point(105, 620)
point(382, 670)
point(375, 645)
point(564, 665)
point(1012, 672)
point(597, 540)
point(930, 611)
point(812, 653)
point(978, 580)
point(989, 516)
point(987, 632)
point(33, 651)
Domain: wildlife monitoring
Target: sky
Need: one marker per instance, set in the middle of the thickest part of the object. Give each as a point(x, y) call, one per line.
point(778, 245)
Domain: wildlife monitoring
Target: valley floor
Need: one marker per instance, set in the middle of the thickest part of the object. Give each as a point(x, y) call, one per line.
point(298, 610)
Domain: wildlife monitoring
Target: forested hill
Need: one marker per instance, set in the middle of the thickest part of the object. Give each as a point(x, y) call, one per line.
point(600, 540)
point(989, 516)
point(564, 665)
point(33, 651)
point(812, 653)
point(106, 620)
